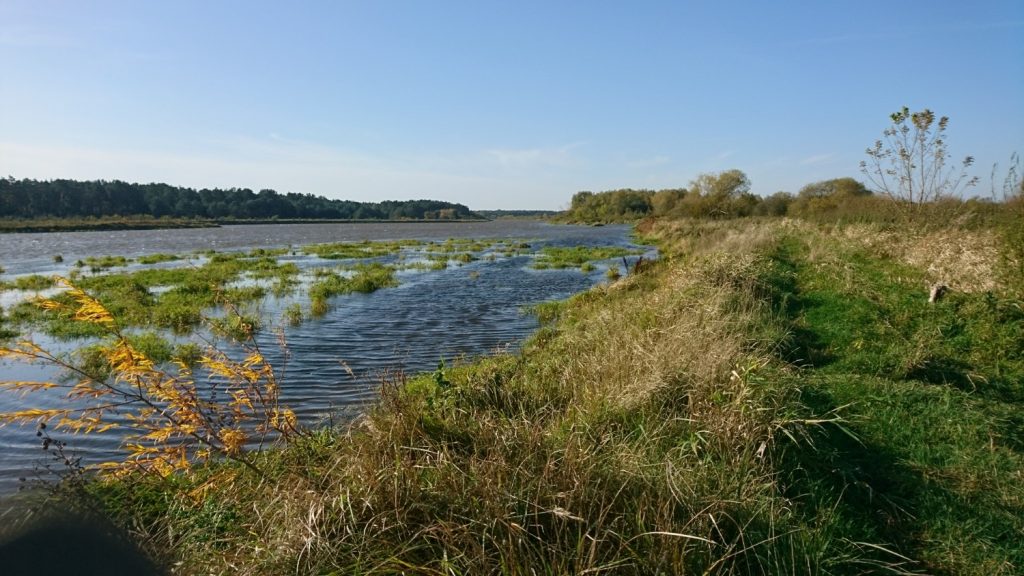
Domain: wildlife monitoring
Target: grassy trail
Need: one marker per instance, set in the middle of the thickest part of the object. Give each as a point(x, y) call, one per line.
point(931, 455)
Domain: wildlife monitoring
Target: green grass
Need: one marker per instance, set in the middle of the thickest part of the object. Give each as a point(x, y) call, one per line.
point(6, 332)
point(186, 293)
point(558, 257)
point(158, 258)
point(629, 436)
point(32, 283)
point(366, 278)
point(97, 263)
point(356, 250)
point(932, 393)
point(769, 397)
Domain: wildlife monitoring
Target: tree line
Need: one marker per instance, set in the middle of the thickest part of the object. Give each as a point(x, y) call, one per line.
point(910, 167)
point(29, 199)
point(727, 194)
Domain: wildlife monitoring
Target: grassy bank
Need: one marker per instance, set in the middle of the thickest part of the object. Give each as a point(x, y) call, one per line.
point(105, 223)
point(769, 397)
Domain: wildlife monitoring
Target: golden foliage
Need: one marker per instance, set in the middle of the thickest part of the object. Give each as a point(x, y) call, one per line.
point(173, 418)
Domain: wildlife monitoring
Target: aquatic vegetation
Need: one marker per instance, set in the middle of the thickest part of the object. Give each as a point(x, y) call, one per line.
point(157, 258)
point(236, 324)
point(5, 332)
point(358, 250)
point(366, 278)
point(576, 256)
point(97, 263)
point(430, 264)
point(241, 294)
point(318, 306)
point(173, 298)
point(613, 273)
point(32, 283)
point(174, 418)
point(284, 285)
point(293, 314)
point(267, 252)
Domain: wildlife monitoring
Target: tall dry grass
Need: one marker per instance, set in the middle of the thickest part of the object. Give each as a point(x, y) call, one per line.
point(634, 434)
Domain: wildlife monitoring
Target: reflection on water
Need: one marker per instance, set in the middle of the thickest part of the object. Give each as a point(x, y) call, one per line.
point(444, 314)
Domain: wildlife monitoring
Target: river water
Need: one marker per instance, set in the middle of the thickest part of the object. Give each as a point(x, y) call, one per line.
point(334, 361)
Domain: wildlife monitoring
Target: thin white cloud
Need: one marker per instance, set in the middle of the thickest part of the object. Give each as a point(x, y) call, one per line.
point(559, 157)
point(817, 159)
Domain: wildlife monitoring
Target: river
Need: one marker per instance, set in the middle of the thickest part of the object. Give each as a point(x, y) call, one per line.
point(334, 361)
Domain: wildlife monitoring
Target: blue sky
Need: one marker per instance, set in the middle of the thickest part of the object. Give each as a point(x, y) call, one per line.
point(495, 105)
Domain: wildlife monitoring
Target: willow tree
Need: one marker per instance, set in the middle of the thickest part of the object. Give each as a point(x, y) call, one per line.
point(910, 162)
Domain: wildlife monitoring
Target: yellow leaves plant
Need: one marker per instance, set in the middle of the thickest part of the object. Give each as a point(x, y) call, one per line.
point(171, 415)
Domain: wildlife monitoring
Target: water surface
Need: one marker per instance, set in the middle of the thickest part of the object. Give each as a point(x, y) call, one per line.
point(334, 361)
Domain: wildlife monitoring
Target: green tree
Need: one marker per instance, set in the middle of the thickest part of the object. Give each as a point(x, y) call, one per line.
point(719, 195)
point(909, 163)
point(835, 187)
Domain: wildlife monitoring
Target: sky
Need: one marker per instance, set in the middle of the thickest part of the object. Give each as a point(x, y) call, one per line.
point(496, 105)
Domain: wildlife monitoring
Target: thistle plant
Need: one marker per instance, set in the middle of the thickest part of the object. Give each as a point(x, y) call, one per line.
point(909, 163)
point(172, 416)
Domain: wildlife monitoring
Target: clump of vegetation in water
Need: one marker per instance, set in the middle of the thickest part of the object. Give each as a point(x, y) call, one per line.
point(93, 358)
point(173, 298)
point(157, 258)
point(559, 257)
point(5, 332)
point(613, 273)
point(98, 263)
point(453, 245)
point(366, 278)
point(358, 250)
point(236, 324)
point(432, 263)
point(264, 252)
point(318, 306)
point(293, 314)
point(32, 283)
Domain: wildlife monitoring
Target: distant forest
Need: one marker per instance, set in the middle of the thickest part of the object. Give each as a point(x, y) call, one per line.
point(495, 214)
point(29, 199)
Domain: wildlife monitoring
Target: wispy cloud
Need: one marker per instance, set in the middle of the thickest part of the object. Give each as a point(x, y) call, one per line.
point(817, 159)
point(560, 156)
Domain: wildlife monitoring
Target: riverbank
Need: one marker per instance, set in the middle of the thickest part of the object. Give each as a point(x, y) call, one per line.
point(9, 226)
point(768, 397)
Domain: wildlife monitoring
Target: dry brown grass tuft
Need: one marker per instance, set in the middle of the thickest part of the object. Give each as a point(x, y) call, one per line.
point(964, 259)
